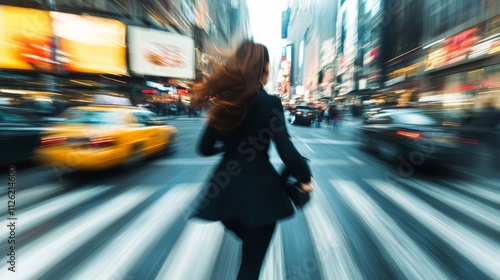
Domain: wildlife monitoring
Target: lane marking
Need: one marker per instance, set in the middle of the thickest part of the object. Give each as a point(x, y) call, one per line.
point(335, 259)
point(326, 141)
point(484, 193)
point(413, 262)
point(136, 238)
point(203, 162)
point(480, 212)
point(25, 197)
point(45, 252)
point(194, 254)
point(481, 251)
point(355, 160)
point(54, 207)
point(309, 148)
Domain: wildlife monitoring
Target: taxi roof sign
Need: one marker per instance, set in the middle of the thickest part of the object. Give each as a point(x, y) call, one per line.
point(100, 99)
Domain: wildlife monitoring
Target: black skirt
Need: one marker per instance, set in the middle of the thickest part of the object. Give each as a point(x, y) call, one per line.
point(249, 192)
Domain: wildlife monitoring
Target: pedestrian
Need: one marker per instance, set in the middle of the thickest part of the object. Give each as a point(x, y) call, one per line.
point(335, 116)
point(245, 192)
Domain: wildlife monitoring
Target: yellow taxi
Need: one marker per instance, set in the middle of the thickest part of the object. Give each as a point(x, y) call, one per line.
point(100, 137)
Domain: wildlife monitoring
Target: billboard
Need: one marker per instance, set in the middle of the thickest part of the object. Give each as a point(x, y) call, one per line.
point(25, 39)
point(39, 40)
point(90, 44)
point(159, 53)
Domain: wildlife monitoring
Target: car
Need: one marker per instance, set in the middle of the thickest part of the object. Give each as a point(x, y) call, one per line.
point(414, 136)
point(302, 115)
point(101, 137)
point(20, 134)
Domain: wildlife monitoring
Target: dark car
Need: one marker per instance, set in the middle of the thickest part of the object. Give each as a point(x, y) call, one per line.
point(414, 136)
point(19, 135)
point(302, 115)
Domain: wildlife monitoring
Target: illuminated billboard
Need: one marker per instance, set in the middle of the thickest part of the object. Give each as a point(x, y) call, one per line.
point(25, 39)
point(39, 40)
point(90, 44)
point(158, 53)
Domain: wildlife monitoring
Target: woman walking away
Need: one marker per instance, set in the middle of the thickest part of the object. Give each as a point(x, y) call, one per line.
point(245, 192)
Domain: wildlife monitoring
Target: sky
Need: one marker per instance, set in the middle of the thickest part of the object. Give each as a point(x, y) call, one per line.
point(265, 20)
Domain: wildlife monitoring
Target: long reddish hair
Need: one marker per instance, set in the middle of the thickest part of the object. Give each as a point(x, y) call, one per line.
point(233, 87)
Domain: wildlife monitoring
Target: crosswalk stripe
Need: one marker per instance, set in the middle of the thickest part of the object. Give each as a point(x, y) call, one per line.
point(26, 197)
point(481, 251)
point(334, 256)
point(46, 251)
point(486, 215)
point(205, 162)
point(53, 207)
point(138, 236)
point(326, 141)
point(413, 262)
point(194, 254)
point(274, 266)
point(484, 193)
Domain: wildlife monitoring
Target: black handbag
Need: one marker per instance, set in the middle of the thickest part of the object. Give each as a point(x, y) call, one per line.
point(293, 190)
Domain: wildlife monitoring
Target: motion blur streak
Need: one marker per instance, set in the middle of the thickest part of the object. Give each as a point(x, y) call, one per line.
point(56, 206)
point(118, 256)
point(57, 244)
point(413, 262)
point(490, 195)
point(480, 212)
point(484, 253)
point(331, 244)
point(194, 254)
point(28, 196)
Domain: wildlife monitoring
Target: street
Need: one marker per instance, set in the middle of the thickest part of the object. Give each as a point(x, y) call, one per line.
point(367, 219)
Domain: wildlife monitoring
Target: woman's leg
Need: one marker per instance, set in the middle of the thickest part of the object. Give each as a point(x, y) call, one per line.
point(255, 244)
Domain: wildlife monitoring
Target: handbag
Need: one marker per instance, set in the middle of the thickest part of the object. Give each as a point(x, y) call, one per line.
point(293, 190)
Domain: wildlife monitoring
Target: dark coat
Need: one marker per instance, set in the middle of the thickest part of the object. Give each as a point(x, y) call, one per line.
point(245, 187)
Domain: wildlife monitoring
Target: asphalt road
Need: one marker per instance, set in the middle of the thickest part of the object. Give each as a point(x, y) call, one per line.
point(368, 219)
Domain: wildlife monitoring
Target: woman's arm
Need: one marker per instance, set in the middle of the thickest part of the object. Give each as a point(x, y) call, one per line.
point(293, 160)
point(206, 145)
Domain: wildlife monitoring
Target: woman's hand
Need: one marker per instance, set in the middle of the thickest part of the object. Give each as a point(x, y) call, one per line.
point(307, 187)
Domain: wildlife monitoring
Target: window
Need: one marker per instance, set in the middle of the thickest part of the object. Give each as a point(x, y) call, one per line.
point(382, 118)
point(145, 118)
point(414, 118)
point(74, 116)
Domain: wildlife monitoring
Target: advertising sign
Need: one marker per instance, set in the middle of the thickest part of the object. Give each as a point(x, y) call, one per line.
point(158, 53)
point(25, 39)
point(466, 45)
point(39, 40)
point(90, 44)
